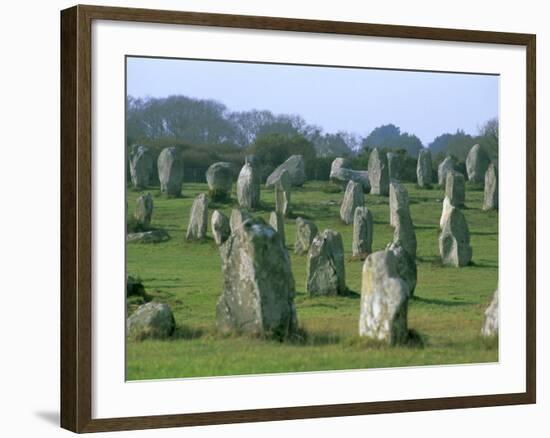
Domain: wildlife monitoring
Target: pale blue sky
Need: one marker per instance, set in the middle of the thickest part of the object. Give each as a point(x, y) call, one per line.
point(356, 100)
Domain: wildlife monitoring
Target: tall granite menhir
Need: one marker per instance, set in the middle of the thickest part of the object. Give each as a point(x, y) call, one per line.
point(379, 175)
point(144, 209)
point(248, 187)
point(490, 200)
point(362, 232)
point(424, 168)
point(325, 269)
point(477, 163)
point(170, 168)
point(141, 166)
point(198, 219)
point(454, 240)
point(353, 198)
point(306, 231)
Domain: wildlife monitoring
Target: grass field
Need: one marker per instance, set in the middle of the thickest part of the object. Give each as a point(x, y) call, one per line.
point(447, 310)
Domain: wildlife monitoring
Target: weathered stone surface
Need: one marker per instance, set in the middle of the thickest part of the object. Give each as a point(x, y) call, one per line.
point(170, 168)
point(141, 166)
point(248, 187)
point(424, 168)
point(455, 188)
point(384, 300)
point(154, 236)
point(277, 221)
point(445, 212)
point(238, 218)
point(353, 198)
point(490, 200)
point(198, 219)
point(326, 273)
point(296, 168)
point(404, 234)
point(445, 166)
point(394, 165)
point(340, 171)
point(454, 240)
point(477, 163)
point(258, 288)
point(362, 232)
point(490, 325)
point(406, 265)
point(151, 320)
point(305, 233)
point(220, 227)
point(144, 209)
point(219, 177)
point(282, 193)
point(399, 198)
point(379, 175)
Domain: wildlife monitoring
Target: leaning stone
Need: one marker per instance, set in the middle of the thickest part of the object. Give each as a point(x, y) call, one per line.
point(170, 169)
point(141, 166)
point(477, 163)
point(399, 198)
point(305, 233)
point(340, 171)
point(154, 236)
point(406, 265)
point(490, 200)
point(326, 273)
point(296, 168)
point(248, 187)
point(238, 218)
point(445, 166)
point(424, 168)
point(219, 177)
point(220, 227)
point(258, 287)
point(362, 232)
point(353, 198)
point(454, 240)
point(455, 188)
point(144, 209)
point(384, 300)
point(277, 221)
point(490, 322)
point(152, 320)
point(198, 219)
point(282, 193)
point(394, 165)
point(379, 175)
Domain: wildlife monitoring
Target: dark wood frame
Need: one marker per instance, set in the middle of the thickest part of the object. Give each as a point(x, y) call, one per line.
point(76, 177)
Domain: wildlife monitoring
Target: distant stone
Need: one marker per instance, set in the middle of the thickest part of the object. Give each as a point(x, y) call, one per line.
point(394, 165)
point(305, 233)
point(406, 265)
point(154, 236)
point(445, 166)
point(198, 219)
point(238, 218)
point(362, 232)
point(424, 168)
point(404, 234)
point(353, 198)
point(170, 169)
point(144, 209)
point(490, 201)
point(455, 188)
point(454, 240)
point(399, 198)
point(152, 320)
point(258, 287)
point(282, 193)
point(477, 163)
point(219, 177)
point(248, 187)
point(384, 300)
point(490, 325)
point(340, 171)
point(296, 168)
point(379, 175)
point(326, 273)
point(220, 227)
point(141, 166)
point(277, 221)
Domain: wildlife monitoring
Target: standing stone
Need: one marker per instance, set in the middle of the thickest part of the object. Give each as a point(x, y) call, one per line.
point(220, 227)
point(277, 221)
point(170, 168)
point(445, 166)
point(379, 175)
point(238, 218)
point(353, 198)
point(296, 168)
point(219, 177)
point(151, 320)
point(258, 287)
point(490, 201)
point(248, 187)
point(340, 171)
point(424, 168)
point(399, 198)
point(455, 188)
point(403, 233)
point(490, 322)
point(384, 300)
point(141, 166)
point(198, 219)
point(445, 212)
point(406, 265)
point(394, 165)
point(326, 273)
point(477, 163)
point(305, 233)
point(282, 193)
point(362, 232)
point(454, 241)
point(144, 209)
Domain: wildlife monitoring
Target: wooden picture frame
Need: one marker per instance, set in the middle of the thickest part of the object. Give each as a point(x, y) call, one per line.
point(76, 217)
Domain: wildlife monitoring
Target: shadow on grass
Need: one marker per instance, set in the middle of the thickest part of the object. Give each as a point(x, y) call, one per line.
point(414, 340)
point(186, 332)
point(483, 233)
point(438, 302)
point(304, 337)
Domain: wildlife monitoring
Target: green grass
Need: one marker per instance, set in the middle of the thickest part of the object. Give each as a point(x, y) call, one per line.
point(446, 312)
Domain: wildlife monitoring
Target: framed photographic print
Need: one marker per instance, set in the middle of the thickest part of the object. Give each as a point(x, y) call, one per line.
point(269, 218)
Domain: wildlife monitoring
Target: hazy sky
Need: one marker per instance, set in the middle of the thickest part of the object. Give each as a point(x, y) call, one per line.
point(355, 100)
